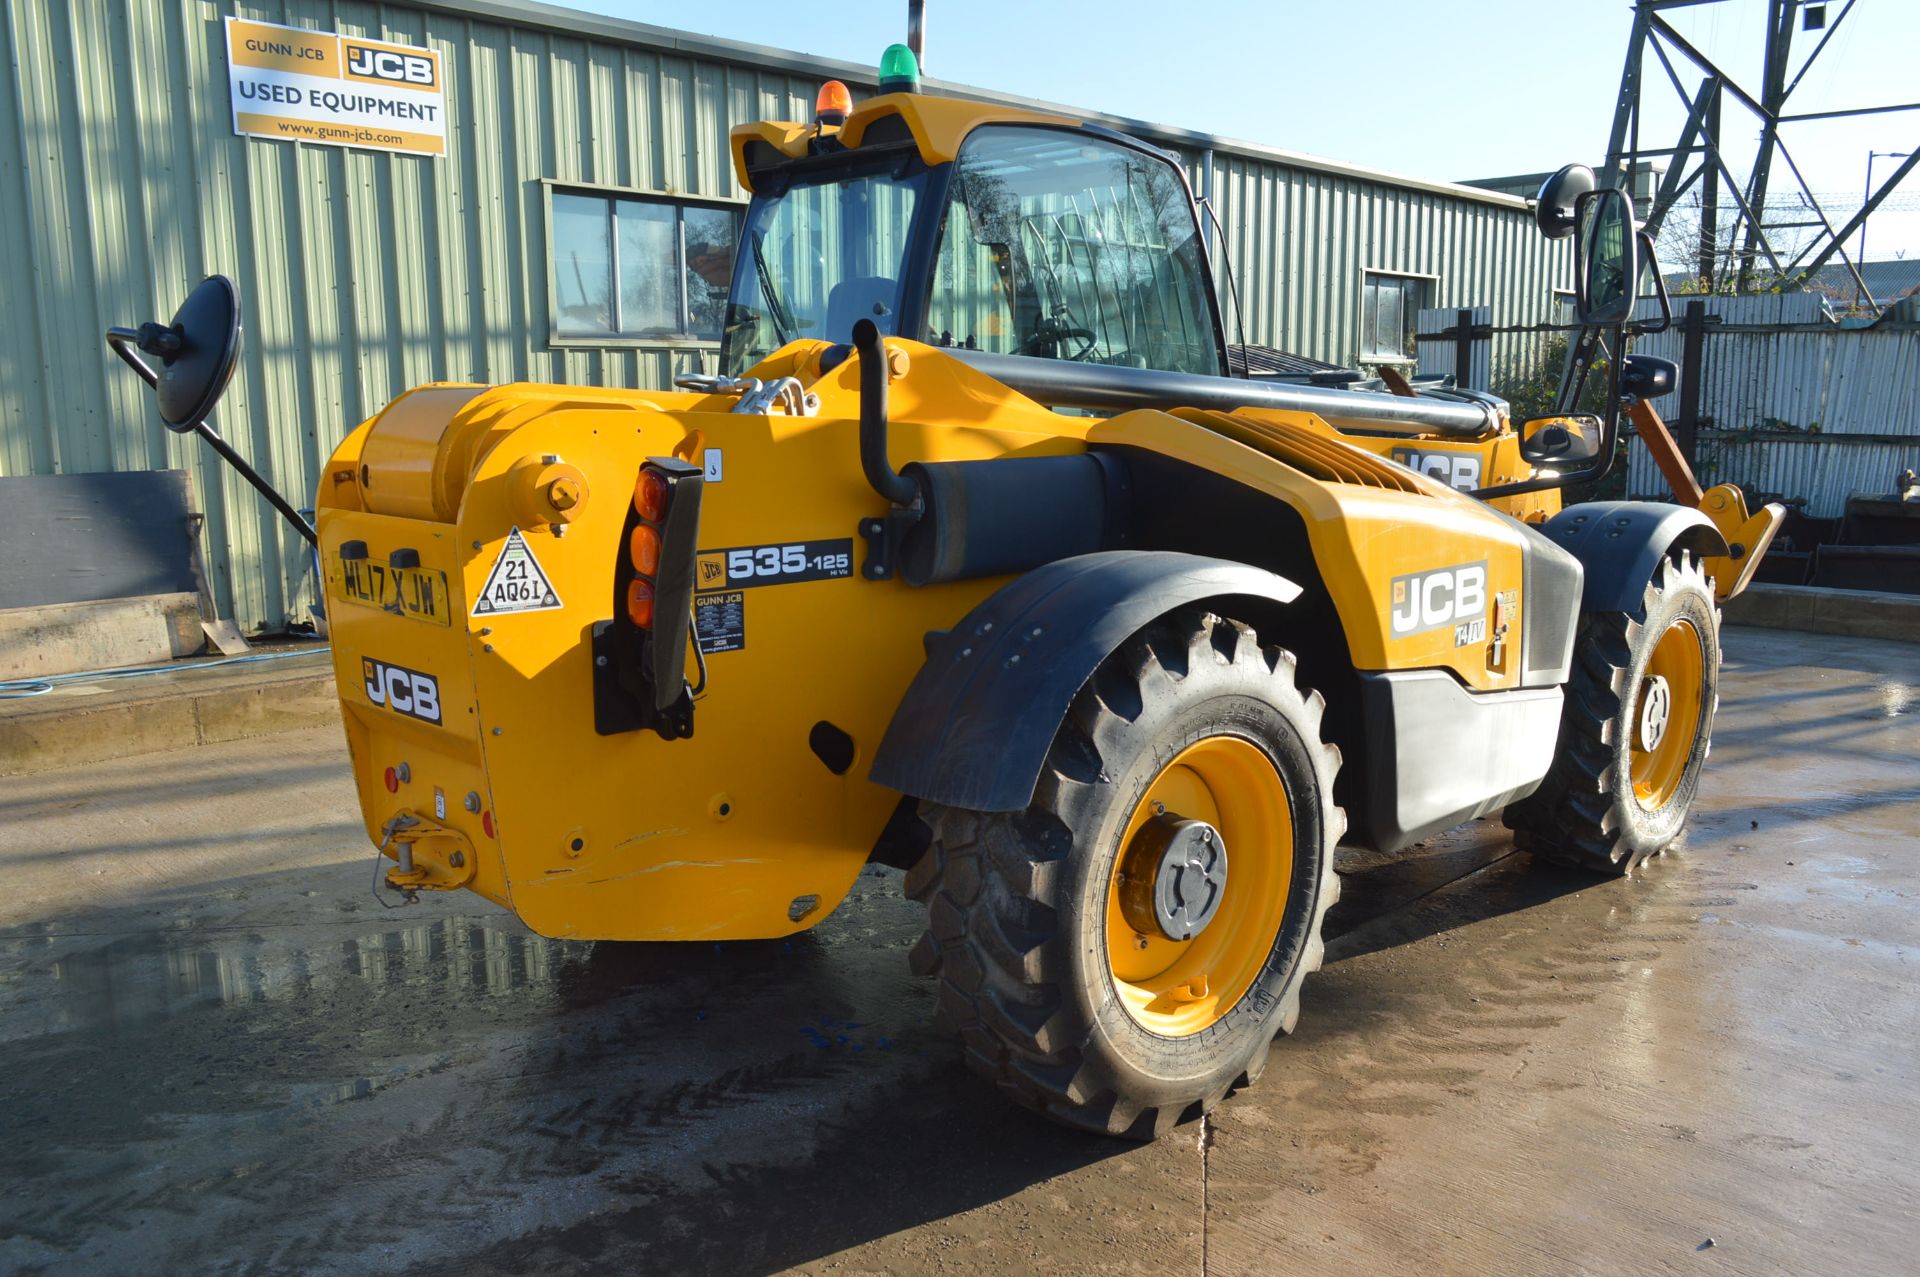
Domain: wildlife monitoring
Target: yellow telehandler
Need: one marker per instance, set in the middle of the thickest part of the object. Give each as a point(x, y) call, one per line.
point(982, 557)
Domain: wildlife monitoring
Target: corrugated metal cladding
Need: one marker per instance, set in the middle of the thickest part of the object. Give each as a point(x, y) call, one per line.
point(364, 273)
point(1302, 240)
point(1796, 405)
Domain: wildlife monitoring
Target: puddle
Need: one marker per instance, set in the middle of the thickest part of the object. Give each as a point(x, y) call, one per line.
point(1893, 699)
point(135, 980)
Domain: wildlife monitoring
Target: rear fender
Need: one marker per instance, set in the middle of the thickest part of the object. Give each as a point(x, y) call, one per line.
point(974, 727)
point(1621, 543)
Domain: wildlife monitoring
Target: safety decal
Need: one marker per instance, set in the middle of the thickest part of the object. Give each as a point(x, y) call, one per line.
point(720, 620)
point(750, 565)
point(516, 583)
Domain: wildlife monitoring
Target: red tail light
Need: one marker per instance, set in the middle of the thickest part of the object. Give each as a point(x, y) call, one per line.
point(640, 603)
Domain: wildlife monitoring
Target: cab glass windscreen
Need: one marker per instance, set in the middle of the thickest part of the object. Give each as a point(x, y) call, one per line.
point(818, 254)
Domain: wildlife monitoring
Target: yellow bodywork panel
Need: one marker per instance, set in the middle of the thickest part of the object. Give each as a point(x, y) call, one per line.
point(501, 782)
point(716, 836)
point(1381, 549)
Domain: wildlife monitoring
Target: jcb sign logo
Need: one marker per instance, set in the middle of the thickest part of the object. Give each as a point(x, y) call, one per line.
point(1455, 469)
point(1455, 596)
point(402, 690)
point(387, 64)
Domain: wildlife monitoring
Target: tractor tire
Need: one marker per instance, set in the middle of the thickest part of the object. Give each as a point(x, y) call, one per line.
point(1191, 730)
point(1635, 732)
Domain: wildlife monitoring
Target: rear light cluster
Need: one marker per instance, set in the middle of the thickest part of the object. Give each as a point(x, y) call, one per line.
point(640, 656)
point(652, 497)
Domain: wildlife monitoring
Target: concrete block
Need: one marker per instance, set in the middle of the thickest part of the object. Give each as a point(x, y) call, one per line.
point(89, 723)
point(68, 638)
point(1822, 610)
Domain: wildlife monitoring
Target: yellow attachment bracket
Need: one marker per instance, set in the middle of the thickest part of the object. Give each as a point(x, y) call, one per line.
point(1748, 535)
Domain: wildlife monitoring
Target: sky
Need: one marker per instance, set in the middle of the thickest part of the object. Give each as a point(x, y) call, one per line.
point(1446, 89)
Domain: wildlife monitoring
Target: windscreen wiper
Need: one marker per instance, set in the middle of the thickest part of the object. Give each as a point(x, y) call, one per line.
point(776, 309)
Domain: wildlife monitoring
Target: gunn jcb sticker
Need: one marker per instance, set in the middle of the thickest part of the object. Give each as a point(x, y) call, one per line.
point(402, 690)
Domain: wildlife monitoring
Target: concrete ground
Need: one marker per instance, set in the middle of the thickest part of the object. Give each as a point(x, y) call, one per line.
point(219, 1054)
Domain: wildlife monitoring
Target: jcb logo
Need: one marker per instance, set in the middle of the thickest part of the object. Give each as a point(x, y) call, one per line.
point(1455, 469)
point(1423, 601)
point(402, 690)
point(387, 64)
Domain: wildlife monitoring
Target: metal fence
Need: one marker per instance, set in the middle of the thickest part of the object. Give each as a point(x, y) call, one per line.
point(1787, 402)
point(1775, 394)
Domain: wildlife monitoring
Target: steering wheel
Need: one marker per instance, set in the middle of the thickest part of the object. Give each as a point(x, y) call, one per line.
point(1051, 332)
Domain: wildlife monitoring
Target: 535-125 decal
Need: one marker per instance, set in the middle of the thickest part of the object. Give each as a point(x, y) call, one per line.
point(783, 564)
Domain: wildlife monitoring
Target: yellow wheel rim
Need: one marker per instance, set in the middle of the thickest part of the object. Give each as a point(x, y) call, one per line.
point(1666, 715)
point(1177, 988)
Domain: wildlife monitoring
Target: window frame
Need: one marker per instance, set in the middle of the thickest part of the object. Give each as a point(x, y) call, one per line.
point(678, 202)
point(1363, 352)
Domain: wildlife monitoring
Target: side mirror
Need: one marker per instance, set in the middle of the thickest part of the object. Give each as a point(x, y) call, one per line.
point(1645, 377)
point(1608, 255)
point(1561, 441)
point(197, 353)
point(1559, 199)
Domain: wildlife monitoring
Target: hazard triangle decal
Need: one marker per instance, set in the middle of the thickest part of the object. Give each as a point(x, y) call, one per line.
point(516, 583)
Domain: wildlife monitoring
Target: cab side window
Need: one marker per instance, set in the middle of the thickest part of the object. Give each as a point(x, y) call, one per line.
point(1060, 245)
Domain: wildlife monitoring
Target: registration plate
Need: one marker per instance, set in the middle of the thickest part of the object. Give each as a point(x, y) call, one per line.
point(420, 593)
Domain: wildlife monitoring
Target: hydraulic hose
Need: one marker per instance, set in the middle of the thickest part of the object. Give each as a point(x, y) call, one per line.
point(886, 481)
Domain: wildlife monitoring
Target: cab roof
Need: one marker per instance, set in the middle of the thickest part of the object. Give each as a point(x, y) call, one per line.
point(936, 125)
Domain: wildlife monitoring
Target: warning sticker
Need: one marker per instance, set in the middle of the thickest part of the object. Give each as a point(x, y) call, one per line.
point(516, 583)
point(720, 619)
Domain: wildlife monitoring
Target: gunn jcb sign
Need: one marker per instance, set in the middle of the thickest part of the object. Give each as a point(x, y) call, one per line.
point(296, 85)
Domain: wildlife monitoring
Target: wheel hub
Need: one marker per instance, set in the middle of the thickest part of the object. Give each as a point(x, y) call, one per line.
point(1656, 707)
point(1175, 877)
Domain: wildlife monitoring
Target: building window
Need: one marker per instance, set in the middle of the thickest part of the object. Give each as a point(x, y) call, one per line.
point(640, 269)
point(1389, 305)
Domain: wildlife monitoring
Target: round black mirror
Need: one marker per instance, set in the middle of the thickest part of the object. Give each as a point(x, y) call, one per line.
point(1555, 209)
point(197, 352)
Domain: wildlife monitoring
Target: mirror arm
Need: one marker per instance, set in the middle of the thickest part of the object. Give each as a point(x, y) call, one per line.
point(120, 339)
point(1660, 289)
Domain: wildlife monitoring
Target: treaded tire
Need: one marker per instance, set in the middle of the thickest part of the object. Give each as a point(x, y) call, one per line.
point(1016, 901)
point(1585, 814)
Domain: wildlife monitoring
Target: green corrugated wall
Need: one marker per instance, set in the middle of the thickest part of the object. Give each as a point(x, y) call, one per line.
point(362, 273)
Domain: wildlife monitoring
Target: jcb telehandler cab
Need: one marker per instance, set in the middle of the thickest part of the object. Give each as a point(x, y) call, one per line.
point(977, 561)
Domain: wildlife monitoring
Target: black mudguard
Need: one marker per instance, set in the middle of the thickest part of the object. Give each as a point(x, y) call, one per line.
point(976, 723)
point(1620, 543)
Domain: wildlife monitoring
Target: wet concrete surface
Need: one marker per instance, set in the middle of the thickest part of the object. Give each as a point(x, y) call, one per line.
point(219, 1054)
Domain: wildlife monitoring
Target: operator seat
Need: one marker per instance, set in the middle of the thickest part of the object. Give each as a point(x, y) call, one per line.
point(862, 297)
